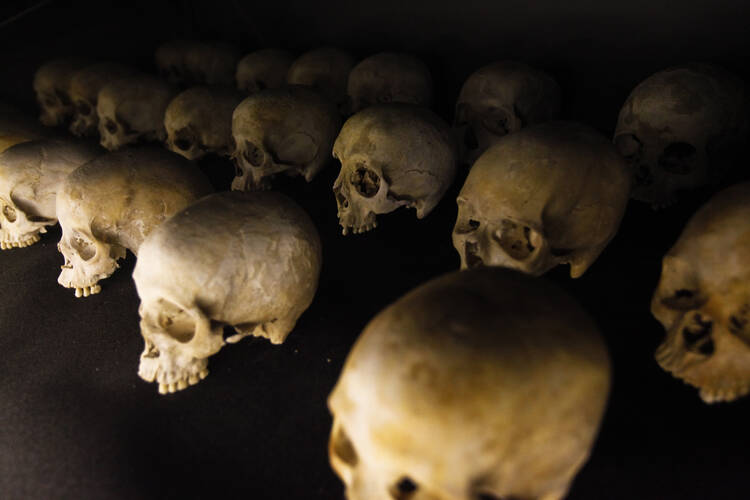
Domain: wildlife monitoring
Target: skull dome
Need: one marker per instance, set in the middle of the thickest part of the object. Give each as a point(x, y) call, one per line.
point(478, 384)
point(326, 70)
point(263, 69)
point(52, 89)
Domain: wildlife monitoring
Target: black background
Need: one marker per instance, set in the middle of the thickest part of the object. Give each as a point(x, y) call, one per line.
point(77, 422)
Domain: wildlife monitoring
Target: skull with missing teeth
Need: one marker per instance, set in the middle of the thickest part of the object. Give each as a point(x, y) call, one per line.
point(484, 384)
point(326, 70)
point(391, 156)
point(112, 203)
point(703, 299)
point(52, 89)
point(679, 130)
point(246, 260)
point(500, 99)
point(263, 69)
point(289, 130)
point(132, 110)
point(30, 175)
point(84, 92)
point(199, 121)
point(549, 194)
point(389, 77)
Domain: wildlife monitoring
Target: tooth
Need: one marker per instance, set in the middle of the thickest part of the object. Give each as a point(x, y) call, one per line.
point(43, 230)
point(172, 387)
point(79, 292)
point(181, 384)
point(163, 388)
point(96, 289)
point(203, 374)
point(86, 292)
point(193, 379)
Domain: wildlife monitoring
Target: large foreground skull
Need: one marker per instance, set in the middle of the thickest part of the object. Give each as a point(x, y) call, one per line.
point(52, 88)
point(389, 77)
point(500, 99)
point(288, 130)
point(263, 69)
point(30, 175)
point(679, 127)
point(84, 92)
point(485, 384)
point(703, 299)
point(247, 260)
point(190, 62)
point(113, 202)
point(326, 70)
point(132, 109)
point(391, 155)
point(549, 194)
point(199, 121)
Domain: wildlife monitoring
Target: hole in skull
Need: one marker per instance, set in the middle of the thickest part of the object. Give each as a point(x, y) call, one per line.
point(738, 324)
point(470, 138)
point(83, 108)
point(404, 489)
point(683, 300)
point(677, 158)
point(175, 322)
point(183, 144)
point(85, 249)
point(238, 170)
point(342, 447)
point(515, 240)
point(643, 176)
point(497, 123)
point(9, 213)
point(471, 251)
point(629, 146)
point(343, 202)
point(253, 154)
point(111, 127)
point(697, 335)
point(464, 226)
point(365, 181)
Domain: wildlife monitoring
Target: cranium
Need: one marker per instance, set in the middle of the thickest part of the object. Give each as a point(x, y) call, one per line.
point(288, 130)
point(389, 77)
point(326, 70)
point(199, 121)
point(677, 129)
point(247, 260)
point(30, 175)
point(500, 99)
point(112, 203)
point(391, 155)
point(549, 194)
point(703, 299)
point(189, 62)
point(484, 384)
point(84, 91)
point(263, 69)
point(52, 88)
point(132, 109)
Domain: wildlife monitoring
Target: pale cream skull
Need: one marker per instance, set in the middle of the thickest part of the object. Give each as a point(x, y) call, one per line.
point(132, 109)
point(703, 299)
point(289, 130)
point(391, 155)
point(549, 194)
point(500, 99)
point(263, 69)
point(479, 384)
point(326, 70)
point(246, 260)
point(199, 121)
point(678, 128)
point(389, 77)
point(30, 175)
point(84, 92)
point(112, 203)
point(52, 89)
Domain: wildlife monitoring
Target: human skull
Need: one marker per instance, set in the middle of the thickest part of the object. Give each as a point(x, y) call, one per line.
point(263, 69)
point(246, 260)
point(391, 155)
point(190, 62)
point(112, 203)
point(484, 384)
point(199, 121)
point(500, 99)
point(288, 130)
point(549, 194)
point(84, 92)
point(703, 299)
point(30, 175)
point(132, 109)
point(326, 70)
point(52, 88)
point(677, 129)
point(389, 77)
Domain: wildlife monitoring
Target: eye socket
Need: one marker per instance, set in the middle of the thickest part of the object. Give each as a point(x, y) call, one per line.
point(111, 126)
point(677, 158)
point(253, 154)
point(85, 249)
point(404, 489)
point(683, 299)
point(629, 146)
point(62, 97)
point(83, 108)
point(49, 101)
point(183, 144)
point(497, 122)
point(365, 181)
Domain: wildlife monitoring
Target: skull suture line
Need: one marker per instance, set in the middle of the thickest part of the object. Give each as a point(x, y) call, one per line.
point(52, 89)
point(289, 130)
point(199, 121)
point(263, 69)
point(680, 128)
point(483, 384)
point(326, 70)
point(391, 155)
point(30, 175)
point(500, 99)
point(112, 203)
point(549, 194)
point(84, 92)
point(246, 260)
point(703, 299)
point(132, 109)
point(189, 62)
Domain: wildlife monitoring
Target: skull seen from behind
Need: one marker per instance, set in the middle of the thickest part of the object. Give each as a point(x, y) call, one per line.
point(52, 89)
point(326, 70)
point(703, 299)
point(246, 260)
point(263, 69)
point(84, 92)
point(484, 384)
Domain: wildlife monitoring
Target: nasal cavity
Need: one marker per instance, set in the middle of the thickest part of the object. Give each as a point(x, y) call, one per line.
point(677, 158)
point(515, 239)
point(253, 154)
point(111, 127)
